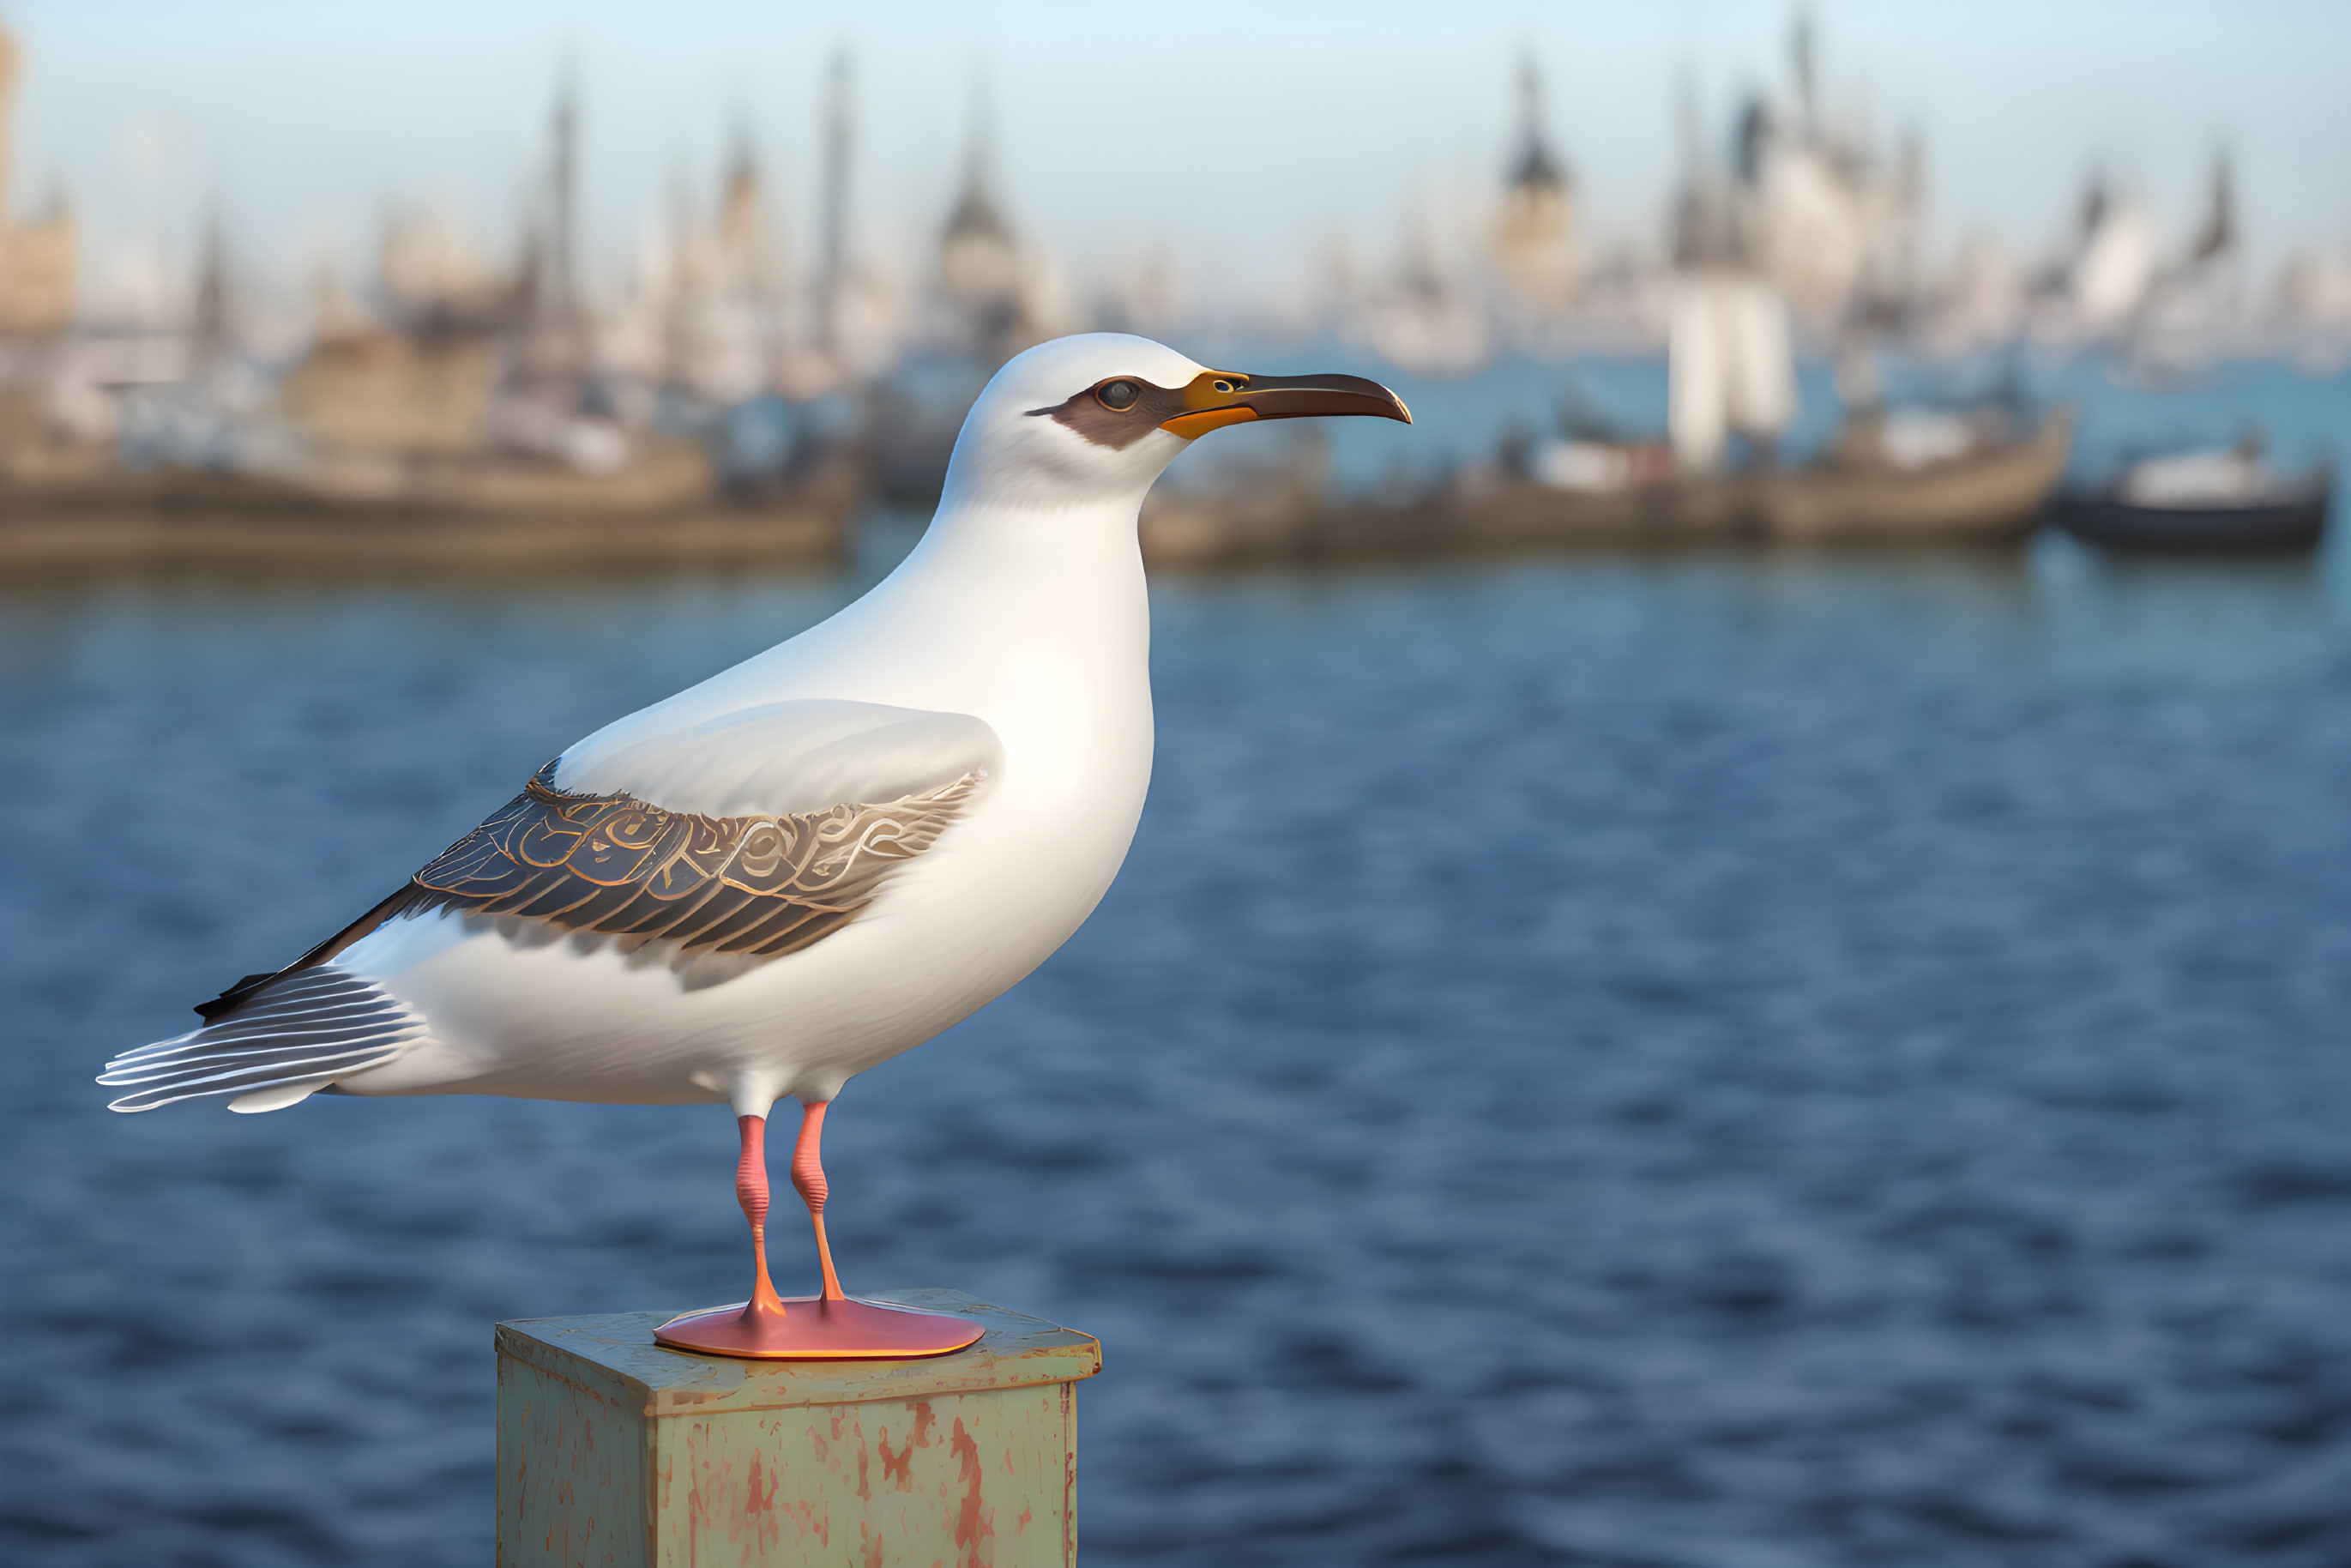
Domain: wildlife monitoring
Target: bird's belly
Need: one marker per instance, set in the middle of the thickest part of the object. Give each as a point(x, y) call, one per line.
point(546, 1015)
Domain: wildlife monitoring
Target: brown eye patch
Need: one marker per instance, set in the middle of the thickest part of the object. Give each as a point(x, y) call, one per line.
point(1116, 411)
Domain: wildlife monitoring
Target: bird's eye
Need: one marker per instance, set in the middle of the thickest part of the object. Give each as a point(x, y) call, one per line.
point(1118, 394)
point(1224, 386)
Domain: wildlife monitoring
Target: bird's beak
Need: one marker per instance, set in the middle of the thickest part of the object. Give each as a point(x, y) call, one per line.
point(1218, 398)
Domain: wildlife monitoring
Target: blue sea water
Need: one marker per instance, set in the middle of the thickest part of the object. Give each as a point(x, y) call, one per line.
point(1709, 1061)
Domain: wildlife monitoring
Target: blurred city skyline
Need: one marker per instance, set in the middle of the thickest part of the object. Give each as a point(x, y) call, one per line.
point(1240, 147)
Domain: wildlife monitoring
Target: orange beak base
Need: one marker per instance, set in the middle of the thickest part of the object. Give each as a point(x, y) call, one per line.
point(1218, 398)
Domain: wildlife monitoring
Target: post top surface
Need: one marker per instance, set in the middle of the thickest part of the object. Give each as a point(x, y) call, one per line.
point(613, 1354)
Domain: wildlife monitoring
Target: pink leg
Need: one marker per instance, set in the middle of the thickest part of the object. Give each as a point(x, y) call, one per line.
point(808, 1175)
point(813, 1328)
point(751, 1191)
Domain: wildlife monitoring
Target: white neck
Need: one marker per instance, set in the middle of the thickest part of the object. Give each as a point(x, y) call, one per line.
point(991, 598)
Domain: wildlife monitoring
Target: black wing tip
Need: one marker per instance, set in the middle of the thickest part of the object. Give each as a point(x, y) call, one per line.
point(234, 994)
point(409, 899)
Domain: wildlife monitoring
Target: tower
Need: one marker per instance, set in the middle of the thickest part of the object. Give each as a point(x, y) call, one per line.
point(1535, 244)
point(11, 66)
point(2218, 236)
point(36, 259)
point(834, 241)
point(558, 256)
point(979, 260)
point(214, 323)
point(1806, 66)
point(747, 258)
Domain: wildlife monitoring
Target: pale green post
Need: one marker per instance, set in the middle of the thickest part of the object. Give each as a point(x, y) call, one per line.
point(614, 1452)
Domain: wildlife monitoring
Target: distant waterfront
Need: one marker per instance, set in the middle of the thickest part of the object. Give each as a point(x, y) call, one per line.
point(2125, 410)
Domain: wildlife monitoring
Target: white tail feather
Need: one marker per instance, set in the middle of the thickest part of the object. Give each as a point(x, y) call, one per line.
point(275, 1048)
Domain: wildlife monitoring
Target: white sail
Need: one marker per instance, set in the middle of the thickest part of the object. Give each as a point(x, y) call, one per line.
point(2117, 265)
point(1696, 405)
point(1729, 366)
point(1762, 381)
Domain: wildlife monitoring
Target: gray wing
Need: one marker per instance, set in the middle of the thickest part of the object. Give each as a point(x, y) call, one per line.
point(780, 758)
point(757, 885)
point(751, 835)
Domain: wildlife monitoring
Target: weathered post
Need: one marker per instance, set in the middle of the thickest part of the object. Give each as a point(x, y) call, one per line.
point(615, 1452)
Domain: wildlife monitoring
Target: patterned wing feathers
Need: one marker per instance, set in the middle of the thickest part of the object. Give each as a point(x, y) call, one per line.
point(755, 885)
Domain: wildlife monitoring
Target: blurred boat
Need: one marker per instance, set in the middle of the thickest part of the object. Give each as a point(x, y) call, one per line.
point(215, 483)
point(1976, 485)
point(490, 514)
point(2217, 501)
point(1919, 477)
point(1893, 475)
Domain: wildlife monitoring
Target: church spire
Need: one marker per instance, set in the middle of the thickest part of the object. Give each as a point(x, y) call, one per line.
point(1536, 167)
point(975, 214)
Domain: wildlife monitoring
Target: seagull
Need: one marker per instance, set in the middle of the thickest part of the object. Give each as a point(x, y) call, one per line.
point(808, 863)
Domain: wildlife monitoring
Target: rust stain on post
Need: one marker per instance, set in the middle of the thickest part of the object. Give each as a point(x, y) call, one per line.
point(974, 1526)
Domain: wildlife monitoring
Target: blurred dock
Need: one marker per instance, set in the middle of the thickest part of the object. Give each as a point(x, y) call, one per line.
point(179, 531)
point(1994, 494)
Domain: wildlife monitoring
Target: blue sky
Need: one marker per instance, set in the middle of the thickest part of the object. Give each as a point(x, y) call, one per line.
point(1241, 139)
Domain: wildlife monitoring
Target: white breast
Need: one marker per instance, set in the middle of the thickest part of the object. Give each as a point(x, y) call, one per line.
point(1047, 647)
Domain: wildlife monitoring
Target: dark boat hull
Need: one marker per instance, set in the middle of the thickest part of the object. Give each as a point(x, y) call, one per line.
point(1992, 497)
point(2294, 522)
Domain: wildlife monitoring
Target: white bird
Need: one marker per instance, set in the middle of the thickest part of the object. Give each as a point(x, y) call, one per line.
point(807, 863)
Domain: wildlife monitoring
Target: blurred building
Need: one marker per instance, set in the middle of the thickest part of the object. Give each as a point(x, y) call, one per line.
point(2317, 289)
point(366, 386)
point(979, 260)
point(860, 317)
point(1822, 214)
point(1139, 293)
point(996, 293)
point(1982, 300)
point(2195, 305)
point(1535, 242)
point(414, 375)
point(1423, 319)
point(460, 361)
point(428, 271)
point(728, 312)
point(37, 258)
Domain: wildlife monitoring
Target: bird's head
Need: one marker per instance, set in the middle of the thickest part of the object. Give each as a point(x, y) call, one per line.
point(1092, 419)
